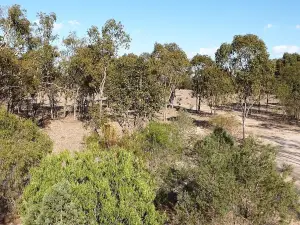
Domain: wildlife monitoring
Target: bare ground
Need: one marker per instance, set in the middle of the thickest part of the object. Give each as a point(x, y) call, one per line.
point(67, 134)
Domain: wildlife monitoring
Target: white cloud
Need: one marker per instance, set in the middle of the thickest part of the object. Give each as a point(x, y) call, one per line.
point(269, 26)
point(208, 51)
point(74, 22)
point(57, 26)
point(298, 26)
point(280, 49)
point(190, 55)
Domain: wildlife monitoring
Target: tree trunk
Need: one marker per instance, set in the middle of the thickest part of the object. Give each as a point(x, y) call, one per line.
point(259, 104)
point(101, 92)
point(244, 118)
point(199, 105)
point(75, 103)
point(8, 107)
point(267, 106)
point(65, 106)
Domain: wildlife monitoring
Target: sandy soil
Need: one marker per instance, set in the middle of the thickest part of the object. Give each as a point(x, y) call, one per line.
point(67, 134)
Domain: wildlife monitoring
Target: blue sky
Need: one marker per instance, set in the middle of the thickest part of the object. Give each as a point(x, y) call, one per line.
point(197, 26)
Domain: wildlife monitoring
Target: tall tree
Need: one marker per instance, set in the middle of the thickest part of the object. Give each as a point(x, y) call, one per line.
point(171, 64)
point(16, 39)
point(15, 27)
point(198, 64)
point(47, 56)
point(246, 59)
point(288, 86)
point(133, 88)
point(104, 48)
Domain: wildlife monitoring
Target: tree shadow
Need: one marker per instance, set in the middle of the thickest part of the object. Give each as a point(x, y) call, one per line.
point(202, 123)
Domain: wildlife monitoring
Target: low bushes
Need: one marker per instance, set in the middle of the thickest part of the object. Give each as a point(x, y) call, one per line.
point(228, 180)
point(93, 187)
point(22, 146)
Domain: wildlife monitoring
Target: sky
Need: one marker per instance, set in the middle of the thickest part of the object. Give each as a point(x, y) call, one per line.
point(197, 26)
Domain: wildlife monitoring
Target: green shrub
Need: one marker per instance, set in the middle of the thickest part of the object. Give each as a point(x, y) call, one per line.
point(92, 187)
point(159, 136)
point(22, 146)
point(158, 144)
point(228, 179)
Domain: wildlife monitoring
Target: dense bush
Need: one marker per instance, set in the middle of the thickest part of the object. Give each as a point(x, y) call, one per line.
point(92, 187)
point(158, 144)
point(226, 180)
point(22, 146)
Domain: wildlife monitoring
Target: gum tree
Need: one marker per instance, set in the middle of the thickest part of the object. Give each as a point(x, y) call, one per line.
point(246, 58)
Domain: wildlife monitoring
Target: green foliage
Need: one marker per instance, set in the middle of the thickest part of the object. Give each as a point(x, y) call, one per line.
point(171, 65)
point(22, 146)
point(156, 138)
point(92, 187)
point(288, 85)
point(158, 144)
point(133, 90)
point(209, 81)
point(247, 60)
point(228, 179)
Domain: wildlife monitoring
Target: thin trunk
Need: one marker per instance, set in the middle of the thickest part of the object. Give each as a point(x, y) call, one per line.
point(196, 103)
point(65, 106)
point(199, 104)
point(244, 118)
point(259, 104)
point(101, 92)
point(75, 103)
point(267, 106)
point(215, 106)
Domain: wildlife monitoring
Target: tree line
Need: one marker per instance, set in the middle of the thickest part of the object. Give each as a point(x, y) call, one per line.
point(40, 79)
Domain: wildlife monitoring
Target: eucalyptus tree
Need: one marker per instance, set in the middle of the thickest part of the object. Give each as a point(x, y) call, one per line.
point(9, 82)
point(288, 85)
point(133, 90)
point(198, 65)
point(15, 32)
point(15, 28)
point(71, 78)
point(269, 81)
point(103, 49)
point(171, 64)
point(47, 56)
point(246, 59)
point(218, 85)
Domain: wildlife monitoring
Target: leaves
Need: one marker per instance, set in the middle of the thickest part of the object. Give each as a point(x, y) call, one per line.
point(91, 187)
point(22, 146)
